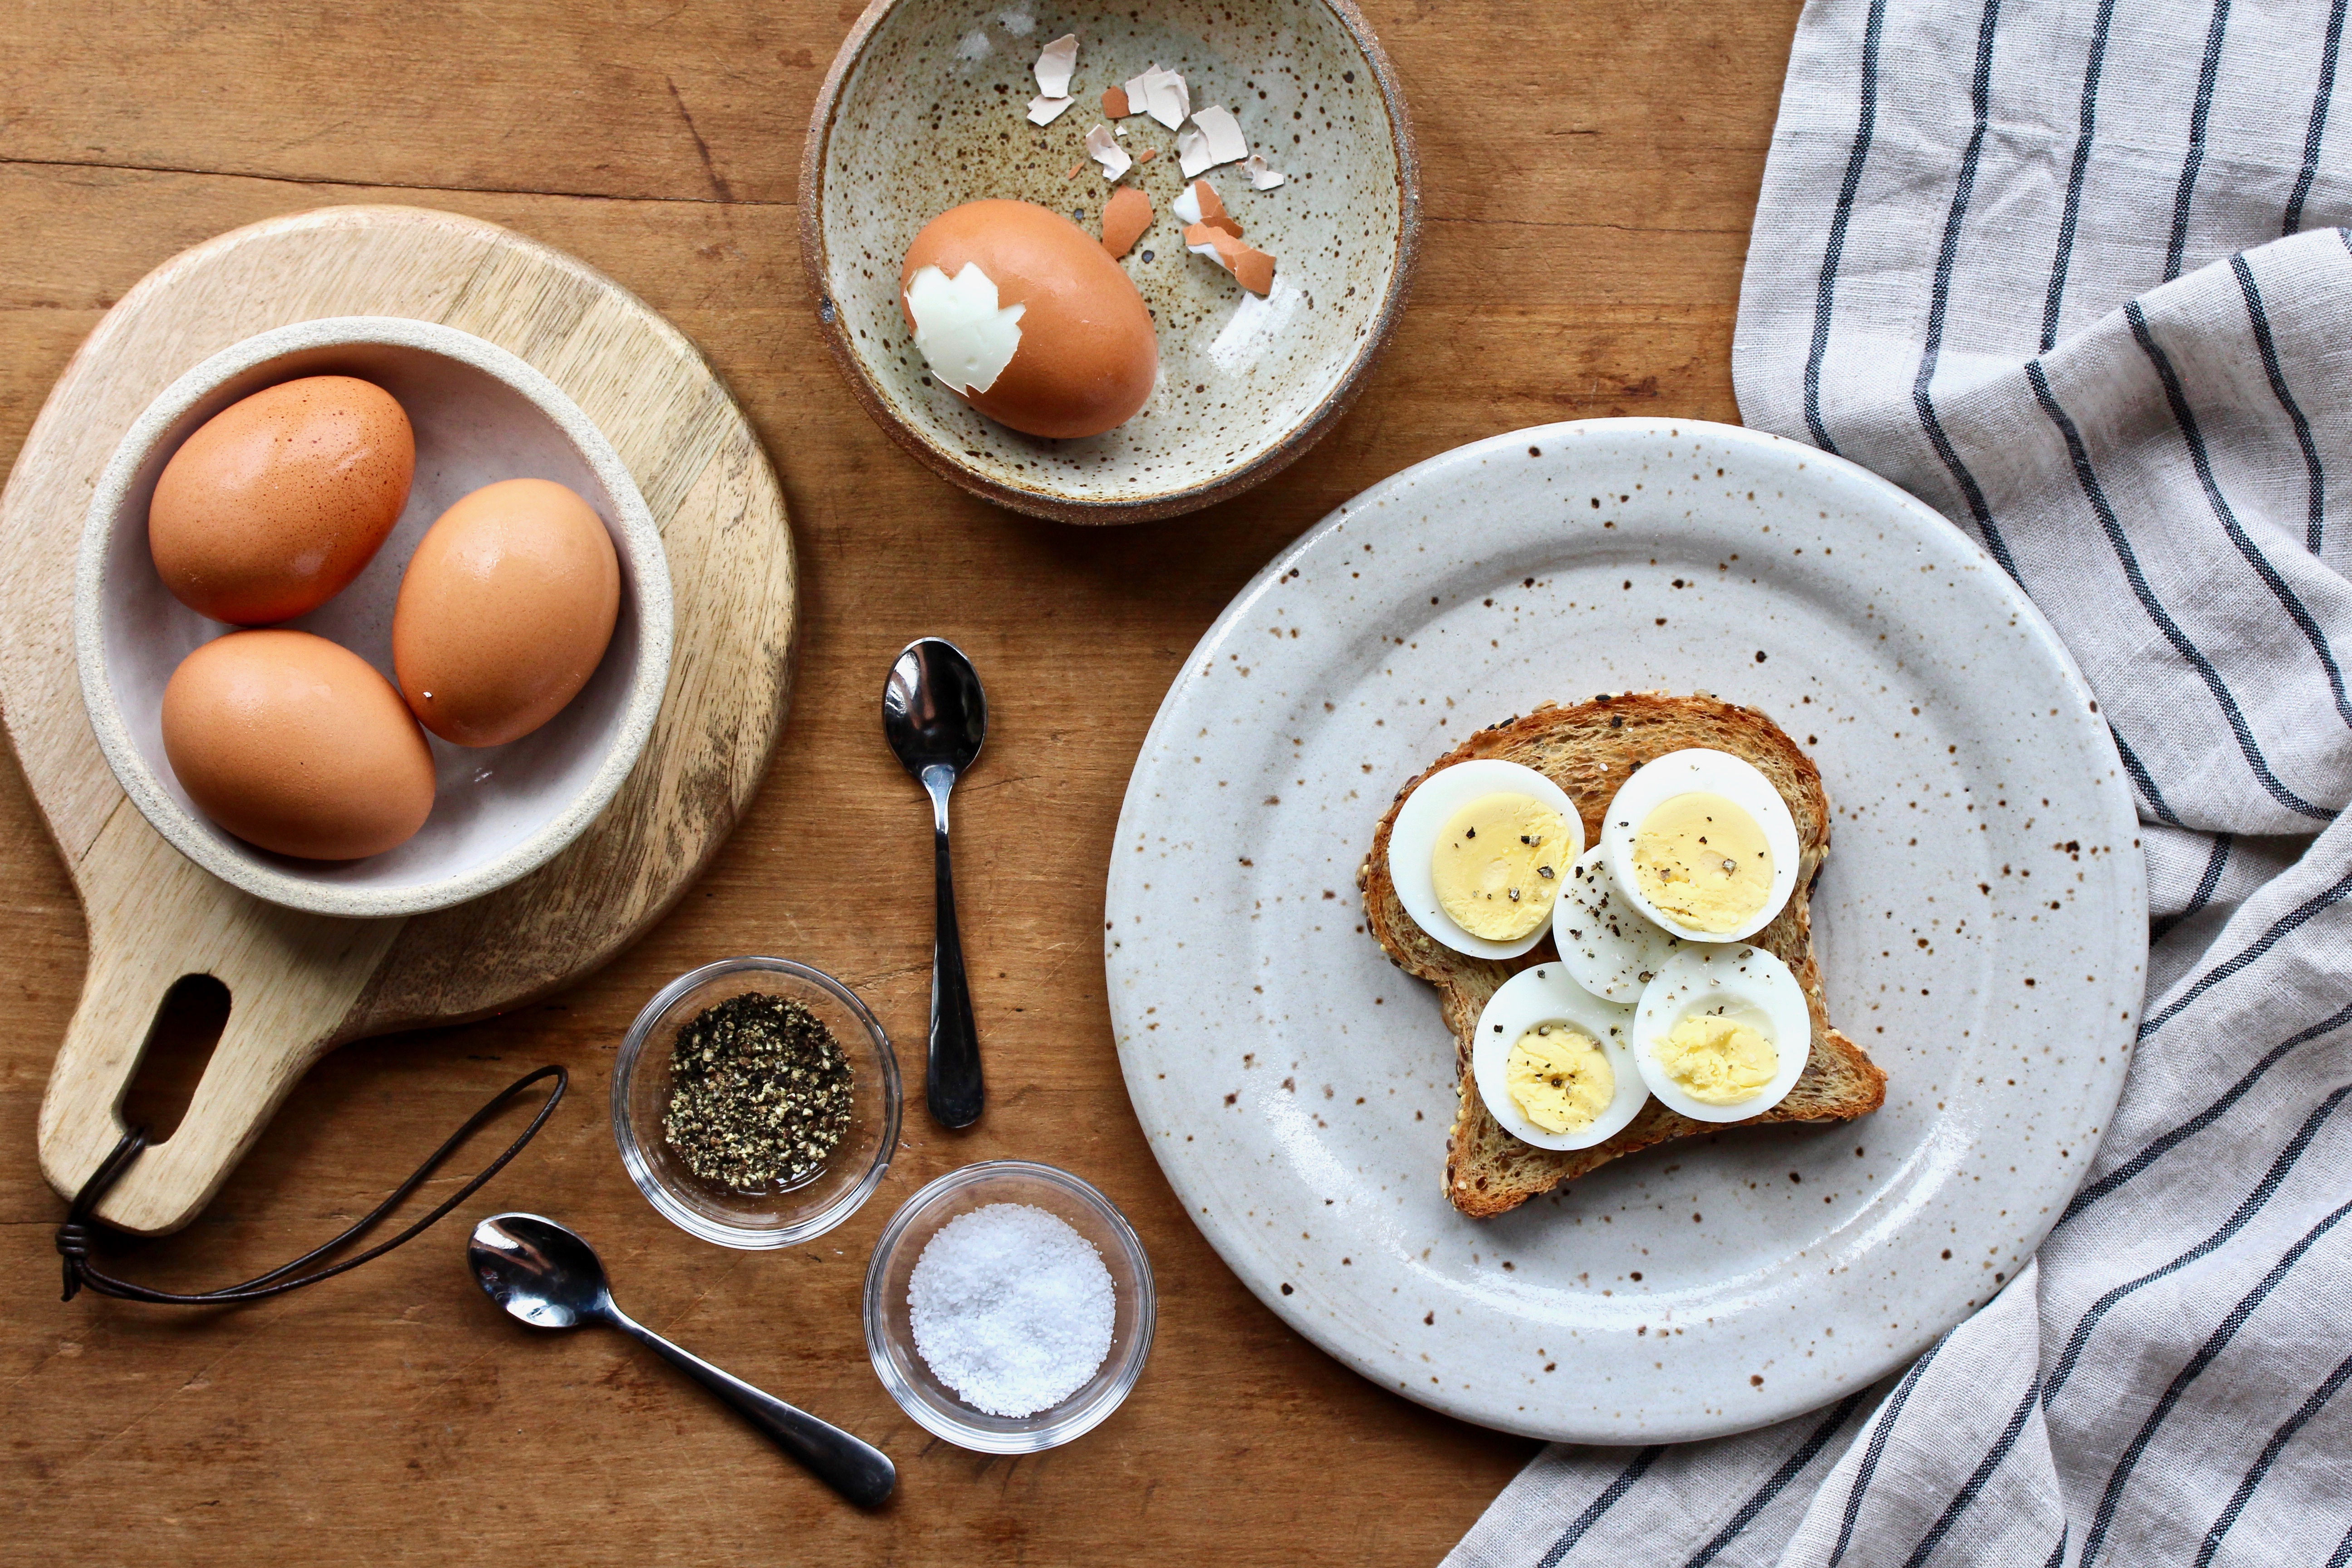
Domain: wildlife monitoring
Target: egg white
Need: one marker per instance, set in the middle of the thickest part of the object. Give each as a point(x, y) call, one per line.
point(1413, 839)
point(1743, 982)
point(1700, 771)
point(1547, 994)
point(1609, 946)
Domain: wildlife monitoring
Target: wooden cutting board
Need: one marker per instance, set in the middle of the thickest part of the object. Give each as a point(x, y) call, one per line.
point(301, 984)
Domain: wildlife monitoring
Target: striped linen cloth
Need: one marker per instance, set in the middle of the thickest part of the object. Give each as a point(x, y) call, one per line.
point(2066, 271)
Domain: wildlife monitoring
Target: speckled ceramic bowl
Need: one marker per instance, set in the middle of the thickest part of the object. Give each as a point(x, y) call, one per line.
point(926, 109)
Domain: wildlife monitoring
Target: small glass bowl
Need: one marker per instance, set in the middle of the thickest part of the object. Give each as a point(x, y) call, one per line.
point(783, 1216)
point(890, 1337)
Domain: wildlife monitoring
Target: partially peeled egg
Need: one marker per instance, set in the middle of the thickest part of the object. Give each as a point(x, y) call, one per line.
point(1022, 314)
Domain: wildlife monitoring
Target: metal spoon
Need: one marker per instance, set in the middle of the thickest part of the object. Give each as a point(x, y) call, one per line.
point(935, 715)
point(547, 1276)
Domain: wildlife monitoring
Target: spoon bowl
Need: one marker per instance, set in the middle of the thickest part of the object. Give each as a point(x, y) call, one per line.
point(539, 1272)
point(934, 710)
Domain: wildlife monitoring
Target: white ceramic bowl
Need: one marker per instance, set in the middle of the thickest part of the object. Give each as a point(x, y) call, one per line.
point(923, 110)
point(480, 414)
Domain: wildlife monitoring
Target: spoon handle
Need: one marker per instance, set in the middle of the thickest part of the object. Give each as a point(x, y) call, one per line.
point(856, 1469)
point(951, 1084)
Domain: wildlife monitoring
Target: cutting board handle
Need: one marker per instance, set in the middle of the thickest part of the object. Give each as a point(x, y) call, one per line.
point(291, 980)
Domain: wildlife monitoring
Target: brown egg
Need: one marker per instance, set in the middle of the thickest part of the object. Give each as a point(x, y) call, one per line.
point(504, 612)
point(1088, 353)
point(277, 501)
point(296, 744)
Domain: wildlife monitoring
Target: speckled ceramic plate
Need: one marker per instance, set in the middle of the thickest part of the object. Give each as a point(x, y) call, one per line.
point(1981, 923)
point(925, 109)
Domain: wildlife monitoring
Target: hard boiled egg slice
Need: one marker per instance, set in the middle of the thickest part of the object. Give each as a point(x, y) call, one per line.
point(1506, 883)
point(1553, 1062)
point(1611, 948)
point(1701, 842)
point(1722, 1033)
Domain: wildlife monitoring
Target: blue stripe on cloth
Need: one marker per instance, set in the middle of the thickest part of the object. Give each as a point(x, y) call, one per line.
point(1789, 1469)
point(2320, 102)
point(2057, 1552)
point(2199, 458)
point(1825, 294)
point(1881, 1426)
point(2315, 505)
point(2140, 776)
point(1981, 101)
point(2343, 1553)
point(1977, 1479)
point(2213, 1346)
point(2285, 925)
point(2088, 476)
point(2212, 876)
point(2262, 1467)
point(2216, 860)
point(2199, 114)
point(2157, 1148)
point(2246, 1210)
point(1599, 1505)
point(2065, 252)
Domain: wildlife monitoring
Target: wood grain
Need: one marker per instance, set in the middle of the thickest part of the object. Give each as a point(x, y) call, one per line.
point(1590, 174)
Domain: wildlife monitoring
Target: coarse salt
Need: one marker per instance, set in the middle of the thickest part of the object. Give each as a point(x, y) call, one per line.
point(1012, 1308)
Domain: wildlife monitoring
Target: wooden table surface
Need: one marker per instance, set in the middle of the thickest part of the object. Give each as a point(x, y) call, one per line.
point(1589, 175)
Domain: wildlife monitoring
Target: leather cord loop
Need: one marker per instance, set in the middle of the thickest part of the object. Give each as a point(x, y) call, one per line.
point(81, 1225)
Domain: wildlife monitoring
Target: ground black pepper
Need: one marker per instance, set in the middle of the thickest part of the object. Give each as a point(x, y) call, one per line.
point(760, 1093)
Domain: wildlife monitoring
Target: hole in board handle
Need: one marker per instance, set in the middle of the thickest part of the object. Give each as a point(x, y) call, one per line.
point(179, 1046)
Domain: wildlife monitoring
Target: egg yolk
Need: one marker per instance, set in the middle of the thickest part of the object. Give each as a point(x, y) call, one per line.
point(1560, 1077)
point(1717, 1061)
point(1497, 865)
point(1704, 862)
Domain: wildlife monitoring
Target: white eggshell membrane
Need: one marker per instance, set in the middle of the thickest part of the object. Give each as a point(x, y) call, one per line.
point(1700, 771)
point(1214, 137)
point(1608, 947)
point(960, 331)
point(1547, 994)
point(1414, 839)
point(1054, 64)
point(1743, 982)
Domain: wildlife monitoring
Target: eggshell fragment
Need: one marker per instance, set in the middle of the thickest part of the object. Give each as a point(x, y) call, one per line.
point(1161, 94)
point(1088, 354)
point(1104, 150)
point(278, 501)
point(1045, 111)
point(1253, 268)
point(1114, 102)
point(1262, 176)
point(1214, 137)
point(1211, 208)
point(1054, 64)
point(505, 612)
point(1125, 217)
point(296, 745)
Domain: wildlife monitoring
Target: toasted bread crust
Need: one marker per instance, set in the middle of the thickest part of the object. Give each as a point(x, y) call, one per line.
point(1589, 750)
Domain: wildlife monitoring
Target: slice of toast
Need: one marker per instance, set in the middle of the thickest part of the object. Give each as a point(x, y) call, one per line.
point(1589, 750)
